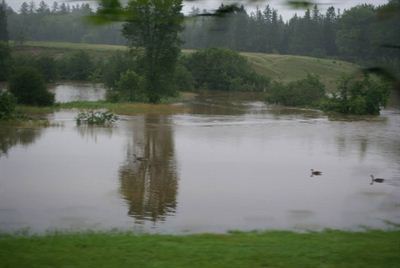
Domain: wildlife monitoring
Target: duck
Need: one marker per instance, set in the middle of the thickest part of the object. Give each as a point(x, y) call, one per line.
point(378, 180)
point(315, 173)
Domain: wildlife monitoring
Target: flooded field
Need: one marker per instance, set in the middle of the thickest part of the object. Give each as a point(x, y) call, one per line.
point(229, 163)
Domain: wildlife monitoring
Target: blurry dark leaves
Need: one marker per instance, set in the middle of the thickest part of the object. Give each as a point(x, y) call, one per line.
point(109, 11)
point(222, 11)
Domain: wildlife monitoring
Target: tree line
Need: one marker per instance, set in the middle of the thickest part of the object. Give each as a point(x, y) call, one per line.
point(362, 33)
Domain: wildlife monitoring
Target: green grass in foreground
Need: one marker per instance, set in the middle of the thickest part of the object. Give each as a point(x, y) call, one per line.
point(270, 249)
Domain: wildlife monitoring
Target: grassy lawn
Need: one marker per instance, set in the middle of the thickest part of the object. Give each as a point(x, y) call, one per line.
point(284, 68)
point(270, 249)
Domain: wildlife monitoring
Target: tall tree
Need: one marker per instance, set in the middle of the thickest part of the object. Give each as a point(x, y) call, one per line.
point(154, 25)
point(3, 22)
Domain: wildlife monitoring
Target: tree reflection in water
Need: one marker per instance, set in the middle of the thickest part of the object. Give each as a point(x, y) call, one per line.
point(150, 185)
point(11, 136)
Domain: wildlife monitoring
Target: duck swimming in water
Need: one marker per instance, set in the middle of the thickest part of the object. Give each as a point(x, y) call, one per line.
point(378, 180)
point(315, 173)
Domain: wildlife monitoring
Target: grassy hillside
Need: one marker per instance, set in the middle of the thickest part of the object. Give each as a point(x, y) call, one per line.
point(283, 68)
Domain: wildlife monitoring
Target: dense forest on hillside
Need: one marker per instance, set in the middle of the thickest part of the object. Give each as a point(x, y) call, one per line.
point(363, 33)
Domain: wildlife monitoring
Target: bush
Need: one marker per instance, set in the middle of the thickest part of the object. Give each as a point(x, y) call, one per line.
point(306, 92)
point(96, 118)
point(223, 69)
point(77, 66)
point(115, 66)
point(358, 96)
point(183, 78)
point(130, 87)
point(45, 64)
point(28, 86)
point(7, 105)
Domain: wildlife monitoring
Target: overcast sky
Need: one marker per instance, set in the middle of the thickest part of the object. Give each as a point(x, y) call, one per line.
point(212, 4)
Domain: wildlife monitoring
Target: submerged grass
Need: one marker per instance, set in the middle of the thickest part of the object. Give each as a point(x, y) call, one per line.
point(253, 249)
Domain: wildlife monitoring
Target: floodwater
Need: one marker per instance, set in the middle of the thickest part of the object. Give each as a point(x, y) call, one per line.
point(231, 163)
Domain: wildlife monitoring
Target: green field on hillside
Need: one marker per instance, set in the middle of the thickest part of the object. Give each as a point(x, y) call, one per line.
point(284, 68)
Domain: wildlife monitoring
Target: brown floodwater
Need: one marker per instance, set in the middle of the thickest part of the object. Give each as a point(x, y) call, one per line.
point(231, 163)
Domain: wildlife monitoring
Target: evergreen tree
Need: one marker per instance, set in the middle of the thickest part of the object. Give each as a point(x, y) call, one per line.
point(3, 22)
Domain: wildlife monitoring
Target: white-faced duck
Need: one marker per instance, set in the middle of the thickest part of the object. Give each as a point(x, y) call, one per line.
point(315, 173)
point(378, 180)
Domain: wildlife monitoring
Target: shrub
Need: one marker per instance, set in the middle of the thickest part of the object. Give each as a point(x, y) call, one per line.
point(183, 78)
point(115, 66)
point(306, 92)
point(28, 86)
point(129, 88)
point(77, 66)
point(45, 64)
point(358, 96)
point(7, 105)
point(223, 69)
point(96, 118)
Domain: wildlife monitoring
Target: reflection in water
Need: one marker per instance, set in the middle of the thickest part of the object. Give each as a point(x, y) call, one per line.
point(241, 171)
point(148, 176)
point(11, 136)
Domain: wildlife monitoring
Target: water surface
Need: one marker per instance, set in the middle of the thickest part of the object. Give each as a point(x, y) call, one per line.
point(229, 163)
point(78, 91)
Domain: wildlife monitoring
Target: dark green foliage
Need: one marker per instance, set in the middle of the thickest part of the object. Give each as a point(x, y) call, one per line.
point(130, 87)
point(3, 22)
point(7, 105)
point(305, 92)
point(358, 96)
point(114, 66)
point(154, 25)
point(29, 87)
point(223, 69)
point(46, 65)
point(77, 66)
point(183, 78)
point(5, 61)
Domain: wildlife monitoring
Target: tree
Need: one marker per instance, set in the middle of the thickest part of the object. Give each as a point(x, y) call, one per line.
point(28, 86)
point(154, 25)
point(3, 22)
point(5, 60)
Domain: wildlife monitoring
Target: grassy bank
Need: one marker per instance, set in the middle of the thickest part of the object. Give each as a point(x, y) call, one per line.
point(171, 106)
point(283, 68)
point(124, 108)
point(270, 249)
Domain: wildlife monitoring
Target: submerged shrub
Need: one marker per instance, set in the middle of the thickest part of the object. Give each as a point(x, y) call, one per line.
point(28, 86)
point(358, 96)
point(7, 105)
point(305, 92)
point(96, 118)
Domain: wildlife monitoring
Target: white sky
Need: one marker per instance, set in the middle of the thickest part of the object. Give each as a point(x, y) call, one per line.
point(213, 4)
